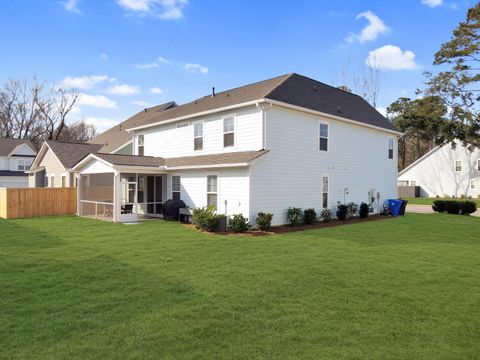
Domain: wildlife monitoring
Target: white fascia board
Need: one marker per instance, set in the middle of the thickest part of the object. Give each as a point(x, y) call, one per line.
point(86, 159)
point(329, 116)
point(32, 171)
point(194, 115)
point(212, 166)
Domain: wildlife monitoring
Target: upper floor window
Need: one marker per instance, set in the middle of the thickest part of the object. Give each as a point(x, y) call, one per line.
point(141, 145)
point(198, 136)
point(390, 148)
point(23, 164)
point(228, 132)
point(176, 187)
point(323, 137)
point(458, 165)
point(212, 190)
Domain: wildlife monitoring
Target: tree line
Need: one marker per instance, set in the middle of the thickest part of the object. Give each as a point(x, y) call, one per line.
point(32, 109)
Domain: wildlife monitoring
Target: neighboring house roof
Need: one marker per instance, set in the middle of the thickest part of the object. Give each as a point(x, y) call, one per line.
point(186, 161)
point(70, 153)
point(421, 159)
point(293, 89)
point(12, 173)
point(117, 136)
point(7, 145)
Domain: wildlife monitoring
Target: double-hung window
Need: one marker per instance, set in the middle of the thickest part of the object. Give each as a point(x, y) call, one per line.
point(324, 192)
point(323, 137)
point(23, 165)
point(198, 136)
point(176, 187)
point(473, 184)
point(478, 164)
point(390, 148)
point(458, 165)
point(228, 132)
point(141, 145)
point(212, 190)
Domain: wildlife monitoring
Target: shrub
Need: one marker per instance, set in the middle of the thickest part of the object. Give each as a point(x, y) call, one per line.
point(364, 210)
point(205, 218)
point(238, 223)
point(452, 207)
point(294, 216)
point(264, 221)
point(468, 207)
point(351, 210)
point(439, 206)
point(309, 216)
point(342, 211)
point(326, 215)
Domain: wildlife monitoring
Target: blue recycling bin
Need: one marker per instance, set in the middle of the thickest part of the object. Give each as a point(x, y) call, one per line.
point(394, 206)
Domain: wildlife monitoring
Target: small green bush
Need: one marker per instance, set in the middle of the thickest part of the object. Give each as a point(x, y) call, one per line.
point(326, 215)
point(342, 211)
point(205, 218)
point(309, 216)
point(264, 221)
point(452, 207)
point(238, 223)
point(364, 210)
point(294, 216)
point(439, 206)
point(468, 207)
point(351, 210)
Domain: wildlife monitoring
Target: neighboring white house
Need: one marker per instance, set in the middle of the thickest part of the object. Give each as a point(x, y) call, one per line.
point(445, 171)
point(282, 142)
point(16, 156)
point(52, 167)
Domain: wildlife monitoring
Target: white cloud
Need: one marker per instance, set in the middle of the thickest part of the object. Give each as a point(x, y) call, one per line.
point(123, 89)
point(72, 6)
point(104, 56)
point(370, 32)
point(382, 110)
point(83, 82)
point(432, 3)
point(140, 103)
point(163, 9)
point(101, 124)
point(146, 66)
point(196, 68)
point(163, 60)
point(391, 57)
point(156, 90)
point(98, 101)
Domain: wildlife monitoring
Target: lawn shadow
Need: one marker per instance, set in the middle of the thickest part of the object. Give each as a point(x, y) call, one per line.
point(13, 234)
point(75, 299)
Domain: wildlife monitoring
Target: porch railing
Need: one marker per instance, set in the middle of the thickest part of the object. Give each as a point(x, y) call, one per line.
point(96, 209)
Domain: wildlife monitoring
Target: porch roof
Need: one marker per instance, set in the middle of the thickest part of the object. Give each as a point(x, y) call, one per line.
point(242, 157)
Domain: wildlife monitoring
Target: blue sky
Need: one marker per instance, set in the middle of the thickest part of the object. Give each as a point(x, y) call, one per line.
point(124, 55)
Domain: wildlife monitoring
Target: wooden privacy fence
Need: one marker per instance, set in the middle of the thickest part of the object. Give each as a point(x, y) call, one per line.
point(408, 191)
point(23, 203)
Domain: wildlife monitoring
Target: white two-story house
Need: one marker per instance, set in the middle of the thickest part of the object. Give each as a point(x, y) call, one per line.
point(289, 141)
point(16, 156)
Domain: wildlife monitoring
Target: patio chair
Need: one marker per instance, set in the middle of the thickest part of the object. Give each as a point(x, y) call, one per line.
point(126, 209)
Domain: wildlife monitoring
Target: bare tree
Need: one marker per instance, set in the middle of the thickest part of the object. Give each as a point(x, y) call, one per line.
point(364, 81)
point(79, 132)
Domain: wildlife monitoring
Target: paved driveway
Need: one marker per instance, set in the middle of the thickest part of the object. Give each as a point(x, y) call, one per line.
point(427, 209)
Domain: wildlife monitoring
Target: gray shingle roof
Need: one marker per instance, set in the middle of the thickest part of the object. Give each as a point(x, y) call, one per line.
point(186, 161)
point(71, 153)
point(117, 136)
point(292, 89)
point(8, 144)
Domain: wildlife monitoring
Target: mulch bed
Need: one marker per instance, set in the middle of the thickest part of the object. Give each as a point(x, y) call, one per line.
point(282, 229)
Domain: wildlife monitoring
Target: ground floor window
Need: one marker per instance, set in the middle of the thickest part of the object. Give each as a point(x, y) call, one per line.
point(473, 184)
point(212, 190)
point(324, 192)
point(64, 181)
point(176, 187)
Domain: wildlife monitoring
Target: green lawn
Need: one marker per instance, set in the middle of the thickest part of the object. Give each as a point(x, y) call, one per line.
point(406, 288)
point(429, 201)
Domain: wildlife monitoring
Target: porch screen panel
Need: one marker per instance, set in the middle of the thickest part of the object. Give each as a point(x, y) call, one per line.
point(97, 187)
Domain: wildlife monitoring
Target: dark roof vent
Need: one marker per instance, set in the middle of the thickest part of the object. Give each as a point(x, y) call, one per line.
point(338, 109)
point(145, 109)
point(344, 88)
point(315, 88)
point(213, 91)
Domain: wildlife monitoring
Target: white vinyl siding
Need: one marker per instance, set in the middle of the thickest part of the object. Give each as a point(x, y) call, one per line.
point(169, 141)
point(436, 174)
point(290, 174)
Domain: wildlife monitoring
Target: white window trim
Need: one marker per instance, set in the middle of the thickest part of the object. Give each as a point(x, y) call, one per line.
point(392, 140)
point(328, 191)
point(218, 189)
point(328, 136)
point(138, 144)
point(474, 183)
point(194, 137)
point(234, 117)
point(171, 185)
point(455, 166)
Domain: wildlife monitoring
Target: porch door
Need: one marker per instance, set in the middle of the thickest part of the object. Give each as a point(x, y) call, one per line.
point(154, 195)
